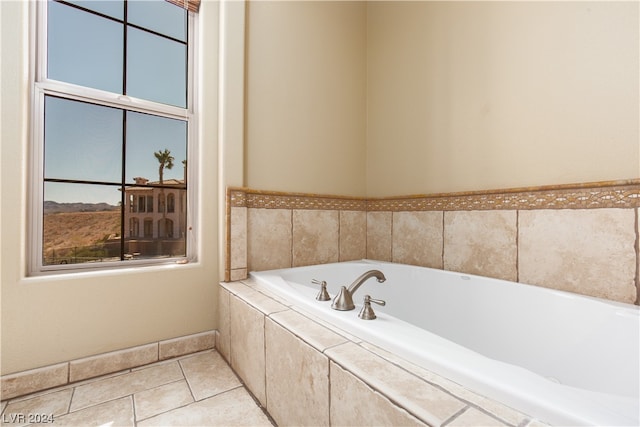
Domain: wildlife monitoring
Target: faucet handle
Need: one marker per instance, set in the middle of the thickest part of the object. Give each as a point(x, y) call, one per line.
point(367, 298)
point(323, 295)
point(367, 312)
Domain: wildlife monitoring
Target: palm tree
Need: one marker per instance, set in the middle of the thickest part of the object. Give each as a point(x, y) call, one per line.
point(166, 161)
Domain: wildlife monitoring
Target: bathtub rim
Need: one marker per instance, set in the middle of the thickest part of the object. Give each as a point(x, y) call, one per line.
point(513, 397)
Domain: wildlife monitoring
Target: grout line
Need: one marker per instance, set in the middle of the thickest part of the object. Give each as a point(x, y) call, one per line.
point(264, 351)
point(291, 250)
point(133, 409)
point(193, 396)
point(339, 235)
point(492, 415)
point(73, 393)
point(391, 242)
point(454, 416)
point(328, 390)
point(637, 249)
point(443, 236)
point(525, 422)
point(366, 234)
point(518, 245)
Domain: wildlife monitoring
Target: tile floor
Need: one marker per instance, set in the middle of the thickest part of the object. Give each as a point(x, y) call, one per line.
point(194, 390)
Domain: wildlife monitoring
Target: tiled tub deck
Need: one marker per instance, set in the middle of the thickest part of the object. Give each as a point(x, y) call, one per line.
point(306, 372)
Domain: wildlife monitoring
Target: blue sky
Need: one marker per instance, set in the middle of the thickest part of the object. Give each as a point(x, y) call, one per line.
point(84, 141)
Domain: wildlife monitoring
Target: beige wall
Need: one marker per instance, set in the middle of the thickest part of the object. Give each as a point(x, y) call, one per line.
point(46, 320)
point(479, 95)
point(305, 99)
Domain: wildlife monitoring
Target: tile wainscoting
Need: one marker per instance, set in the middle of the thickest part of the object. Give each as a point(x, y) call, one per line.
point(580, 238)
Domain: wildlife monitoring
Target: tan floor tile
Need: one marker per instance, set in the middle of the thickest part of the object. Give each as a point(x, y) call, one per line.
point(161, 399)
point(54, 403)
point(233, 408)
point(123, 385)
point(208, 374)
point(113, 413)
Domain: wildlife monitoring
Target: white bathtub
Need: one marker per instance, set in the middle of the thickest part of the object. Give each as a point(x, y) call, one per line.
point(563, 358)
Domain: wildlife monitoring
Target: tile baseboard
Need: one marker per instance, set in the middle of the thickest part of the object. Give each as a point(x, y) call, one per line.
point(33, 380)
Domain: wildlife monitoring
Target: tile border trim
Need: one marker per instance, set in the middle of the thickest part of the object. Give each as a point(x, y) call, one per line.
point(594, 195)
point(60, 374)
point(246, 197)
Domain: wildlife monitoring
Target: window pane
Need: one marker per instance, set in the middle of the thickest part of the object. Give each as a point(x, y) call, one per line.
point(113, 8)
point(82, 141)
point(149, 233)
point(156, 68)
point(84, 49)
point(159, 16)
point(81, 223)
point(147, 135)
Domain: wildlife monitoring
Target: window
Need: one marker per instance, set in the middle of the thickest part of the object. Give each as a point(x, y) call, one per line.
point(113, 125)
point(161, 203)
point(165, 228)
point(134, 227)
point(148, 228)
point(171, 203)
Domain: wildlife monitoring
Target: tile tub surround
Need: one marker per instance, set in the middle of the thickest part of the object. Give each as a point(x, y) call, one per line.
point(21, 383)
point(327, 377)
point(580, 238)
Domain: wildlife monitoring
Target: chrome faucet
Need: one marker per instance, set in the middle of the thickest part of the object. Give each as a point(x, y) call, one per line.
point(344, 300)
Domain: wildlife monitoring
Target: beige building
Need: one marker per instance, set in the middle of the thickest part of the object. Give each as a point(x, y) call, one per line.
point(154, 213)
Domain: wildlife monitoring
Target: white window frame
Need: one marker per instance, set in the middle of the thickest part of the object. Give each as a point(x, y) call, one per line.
point(41, 86)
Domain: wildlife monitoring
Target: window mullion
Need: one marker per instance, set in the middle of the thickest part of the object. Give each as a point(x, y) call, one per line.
point(125, 31)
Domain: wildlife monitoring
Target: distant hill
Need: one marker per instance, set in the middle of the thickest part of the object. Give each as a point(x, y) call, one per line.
point(65, 230)
point(55, 207)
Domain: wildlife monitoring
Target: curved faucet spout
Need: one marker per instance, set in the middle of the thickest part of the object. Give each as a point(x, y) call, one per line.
point(364, 277)
point(344, 301)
